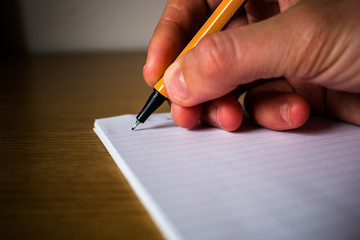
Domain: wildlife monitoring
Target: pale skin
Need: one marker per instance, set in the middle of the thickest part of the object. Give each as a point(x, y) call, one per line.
point(308, 52)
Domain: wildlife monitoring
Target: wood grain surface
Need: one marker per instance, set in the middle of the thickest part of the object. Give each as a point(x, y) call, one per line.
point(57, 180)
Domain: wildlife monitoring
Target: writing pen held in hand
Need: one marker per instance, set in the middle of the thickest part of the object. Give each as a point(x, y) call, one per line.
point(215, 23)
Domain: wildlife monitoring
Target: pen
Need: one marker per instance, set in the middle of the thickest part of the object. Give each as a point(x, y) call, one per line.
point(215, 23)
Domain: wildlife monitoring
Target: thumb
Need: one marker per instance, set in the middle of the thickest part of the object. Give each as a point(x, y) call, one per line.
point(220, 62)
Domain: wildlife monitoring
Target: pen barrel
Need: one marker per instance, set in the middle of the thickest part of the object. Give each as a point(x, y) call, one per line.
point(215, 23)
point(159, 86)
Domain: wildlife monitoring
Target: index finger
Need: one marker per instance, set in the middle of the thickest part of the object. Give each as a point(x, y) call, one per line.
point(177, 25)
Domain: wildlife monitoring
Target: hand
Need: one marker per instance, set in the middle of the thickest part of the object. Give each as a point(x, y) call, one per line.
point(309, 51)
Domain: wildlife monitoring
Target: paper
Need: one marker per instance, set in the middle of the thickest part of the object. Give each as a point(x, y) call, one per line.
point(255, 183)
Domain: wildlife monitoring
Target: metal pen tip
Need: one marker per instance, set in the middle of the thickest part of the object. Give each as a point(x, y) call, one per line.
point(135, 125)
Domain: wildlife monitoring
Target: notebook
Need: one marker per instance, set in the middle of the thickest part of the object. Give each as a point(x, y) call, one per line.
point(206, 183)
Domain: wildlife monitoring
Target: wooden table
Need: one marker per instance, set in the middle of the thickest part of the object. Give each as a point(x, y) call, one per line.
point(57, 181)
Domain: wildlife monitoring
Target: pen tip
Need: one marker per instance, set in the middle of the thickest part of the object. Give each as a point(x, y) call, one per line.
point(135, 125)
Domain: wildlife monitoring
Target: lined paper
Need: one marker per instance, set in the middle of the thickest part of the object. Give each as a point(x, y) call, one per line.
point(254, 183)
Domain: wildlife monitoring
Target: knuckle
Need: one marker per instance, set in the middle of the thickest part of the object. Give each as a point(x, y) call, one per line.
point(215, 55)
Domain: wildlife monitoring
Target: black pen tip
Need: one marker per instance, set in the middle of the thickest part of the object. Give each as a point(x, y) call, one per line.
point(135, 125)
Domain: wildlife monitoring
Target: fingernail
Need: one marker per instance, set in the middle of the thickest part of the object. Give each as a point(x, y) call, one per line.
point(284, 112)
point(214, 116)
point(144, 67)
point(175, 83)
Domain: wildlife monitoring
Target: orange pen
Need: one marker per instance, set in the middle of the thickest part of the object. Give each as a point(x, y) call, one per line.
point(215, 23)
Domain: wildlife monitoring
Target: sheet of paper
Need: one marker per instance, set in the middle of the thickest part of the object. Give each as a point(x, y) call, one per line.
point(254, 183)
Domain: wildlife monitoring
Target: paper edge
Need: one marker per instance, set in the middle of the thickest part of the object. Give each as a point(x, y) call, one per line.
point(163, 223)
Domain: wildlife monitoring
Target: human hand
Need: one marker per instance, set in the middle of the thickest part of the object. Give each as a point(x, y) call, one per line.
point(312, 48)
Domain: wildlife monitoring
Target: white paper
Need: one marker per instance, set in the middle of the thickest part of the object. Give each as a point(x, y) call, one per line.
point(254, 183)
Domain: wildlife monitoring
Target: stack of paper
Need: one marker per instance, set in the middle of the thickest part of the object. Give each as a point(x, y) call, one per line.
point(254, 183)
